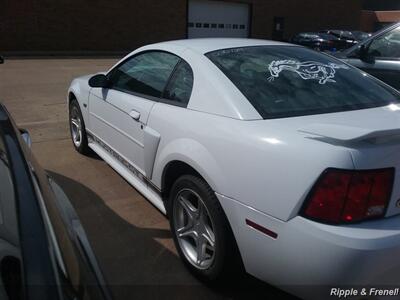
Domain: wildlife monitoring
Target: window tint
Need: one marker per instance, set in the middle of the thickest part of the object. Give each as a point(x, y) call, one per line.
point(146, 73)
point(289, 81)
point(387, 45)
point(180, 87)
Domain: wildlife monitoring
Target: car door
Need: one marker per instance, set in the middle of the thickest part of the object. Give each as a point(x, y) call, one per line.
point(382, 58)
point(118, 115)
point(10, 255)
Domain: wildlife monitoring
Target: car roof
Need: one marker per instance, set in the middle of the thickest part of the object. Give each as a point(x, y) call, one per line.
point(205, 45)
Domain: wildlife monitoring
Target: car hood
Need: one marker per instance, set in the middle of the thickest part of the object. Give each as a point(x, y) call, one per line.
point(340, 54)
point(85, 77)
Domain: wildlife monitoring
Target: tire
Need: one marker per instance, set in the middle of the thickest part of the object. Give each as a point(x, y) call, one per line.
point(77, 128)
point(224, 261)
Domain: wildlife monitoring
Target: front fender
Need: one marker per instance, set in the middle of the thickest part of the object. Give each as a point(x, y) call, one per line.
point(80, 89)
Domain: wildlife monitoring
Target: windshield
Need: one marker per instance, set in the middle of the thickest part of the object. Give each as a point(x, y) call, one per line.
point(327, 36)
point(361, 35)
point(290, 81)
point(309, 35)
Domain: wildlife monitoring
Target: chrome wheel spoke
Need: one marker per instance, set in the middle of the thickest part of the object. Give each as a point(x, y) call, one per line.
point(76, 128)
point(187, 231)
point(209, 237)
point(79, 136)
point(188, 208)
point(201, 250)
point(75, 123)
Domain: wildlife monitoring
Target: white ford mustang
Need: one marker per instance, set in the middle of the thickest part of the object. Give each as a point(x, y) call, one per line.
point(261, 153)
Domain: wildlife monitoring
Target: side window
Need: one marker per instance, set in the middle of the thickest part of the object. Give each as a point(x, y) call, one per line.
point(146, 73)
point(180, 86)
point(387, 45)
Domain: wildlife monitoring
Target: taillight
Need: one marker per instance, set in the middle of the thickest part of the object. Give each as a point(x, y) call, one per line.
point(342, 196)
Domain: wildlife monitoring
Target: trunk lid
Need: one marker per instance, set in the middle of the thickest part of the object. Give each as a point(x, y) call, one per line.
point(372, 136)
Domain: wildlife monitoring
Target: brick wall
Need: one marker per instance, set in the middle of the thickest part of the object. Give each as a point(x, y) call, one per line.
point(85, 26)
point(89, 25)
point(304, 15)
point(381, 5)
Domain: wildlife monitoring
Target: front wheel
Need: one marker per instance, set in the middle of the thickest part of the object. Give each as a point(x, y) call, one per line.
point(201, 231)
point(77, 128)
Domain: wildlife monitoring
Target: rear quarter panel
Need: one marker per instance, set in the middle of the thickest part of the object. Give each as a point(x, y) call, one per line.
point(253, 162)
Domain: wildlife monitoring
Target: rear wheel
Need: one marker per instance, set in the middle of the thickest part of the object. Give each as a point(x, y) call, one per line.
point(77, 128)
point(201, 231)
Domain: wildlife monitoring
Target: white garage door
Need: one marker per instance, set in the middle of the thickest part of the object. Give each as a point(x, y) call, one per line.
point(218, 19)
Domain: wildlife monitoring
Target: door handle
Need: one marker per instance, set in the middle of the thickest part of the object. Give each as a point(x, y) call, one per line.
point(135, 115)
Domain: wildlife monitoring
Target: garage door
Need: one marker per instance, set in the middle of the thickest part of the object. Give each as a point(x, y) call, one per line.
point(218, 19)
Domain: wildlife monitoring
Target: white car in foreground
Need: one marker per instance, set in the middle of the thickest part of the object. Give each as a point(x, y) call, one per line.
point(261, 153)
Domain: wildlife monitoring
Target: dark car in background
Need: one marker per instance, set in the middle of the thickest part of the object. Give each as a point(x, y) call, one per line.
point(316, 41)
point(361, 35)
point(345, 39)
point(44, 251)
point(378, 55)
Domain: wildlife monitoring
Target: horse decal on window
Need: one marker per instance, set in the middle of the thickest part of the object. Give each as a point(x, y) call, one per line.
point(308, 70)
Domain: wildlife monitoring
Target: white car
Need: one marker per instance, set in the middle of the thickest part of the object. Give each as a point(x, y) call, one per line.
point(261, 153)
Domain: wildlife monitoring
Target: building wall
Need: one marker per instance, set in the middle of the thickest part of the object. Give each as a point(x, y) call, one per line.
point(85, 26)
point(374, 20)
point(378, 13)
point(381, 5)
point(304, 15)
point(89, 25)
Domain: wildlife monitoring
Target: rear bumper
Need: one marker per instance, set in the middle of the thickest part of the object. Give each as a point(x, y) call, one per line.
point(307, 256)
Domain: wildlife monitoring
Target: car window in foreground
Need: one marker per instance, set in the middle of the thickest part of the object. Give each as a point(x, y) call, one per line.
point(290, 81)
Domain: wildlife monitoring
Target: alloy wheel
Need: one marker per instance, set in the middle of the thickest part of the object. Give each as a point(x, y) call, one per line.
point(194, 229)
point(76, 127)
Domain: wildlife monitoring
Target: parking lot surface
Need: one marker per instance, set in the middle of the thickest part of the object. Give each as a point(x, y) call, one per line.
point(130, 237)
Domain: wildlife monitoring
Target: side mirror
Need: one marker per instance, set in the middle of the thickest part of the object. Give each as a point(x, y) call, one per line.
point(1, 59)
point(26, 137)
point(99, 81)
point(362, 51)
point(365, 55)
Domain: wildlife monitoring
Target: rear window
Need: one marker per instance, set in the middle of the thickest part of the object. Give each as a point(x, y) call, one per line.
point(291, 81)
